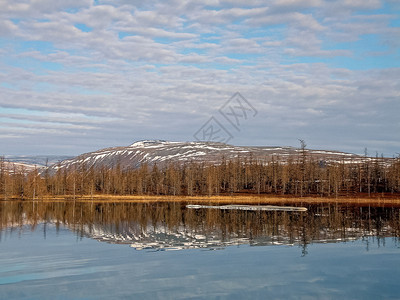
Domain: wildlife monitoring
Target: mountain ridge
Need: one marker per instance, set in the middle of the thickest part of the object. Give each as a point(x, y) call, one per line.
point(162, 152)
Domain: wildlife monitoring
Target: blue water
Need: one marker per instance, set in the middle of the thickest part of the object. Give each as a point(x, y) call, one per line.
point(50, 263)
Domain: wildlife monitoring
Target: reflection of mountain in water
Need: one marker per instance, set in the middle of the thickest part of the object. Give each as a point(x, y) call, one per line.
point(164, 239)
point(172, 226)
point(183, 237)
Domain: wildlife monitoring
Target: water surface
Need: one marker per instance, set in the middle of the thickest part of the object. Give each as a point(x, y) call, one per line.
point(121, 250)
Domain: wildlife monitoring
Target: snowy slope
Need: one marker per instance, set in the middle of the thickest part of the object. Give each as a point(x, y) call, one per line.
point(162, 152)
point(17, 168)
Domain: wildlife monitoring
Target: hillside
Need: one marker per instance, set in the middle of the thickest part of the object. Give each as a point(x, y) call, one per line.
point(25, 164)
point(162, 152)
point(17, 167)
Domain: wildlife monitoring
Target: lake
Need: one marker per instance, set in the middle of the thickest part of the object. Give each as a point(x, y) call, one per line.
point(88, 250)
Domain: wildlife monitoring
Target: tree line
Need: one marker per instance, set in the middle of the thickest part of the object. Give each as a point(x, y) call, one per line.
point(299, 175)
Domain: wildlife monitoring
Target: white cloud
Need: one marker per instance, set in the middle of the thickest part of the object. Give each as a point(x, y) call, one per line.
point(7, 28)
point(165, 67)
point(36, 9)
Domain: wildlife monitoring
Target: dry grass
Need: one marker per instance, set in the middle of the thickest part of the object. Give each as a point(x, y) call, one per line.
point(235, 199)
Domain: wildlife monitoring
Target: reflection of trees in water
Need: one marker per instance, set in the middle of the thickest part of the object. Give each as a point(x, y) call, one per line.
point(127, 222)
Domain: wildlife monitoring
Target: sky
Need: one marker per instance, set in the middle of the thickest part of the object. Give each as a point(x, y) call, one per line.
point(77, 76)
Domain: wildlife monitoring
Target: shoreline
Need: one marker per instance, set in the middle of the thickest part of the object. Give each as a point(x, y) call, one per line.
point(225, 199)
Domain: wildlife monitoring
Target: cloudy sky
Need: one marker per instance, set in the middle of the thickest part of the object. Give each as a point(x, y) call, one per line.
point(76, 76)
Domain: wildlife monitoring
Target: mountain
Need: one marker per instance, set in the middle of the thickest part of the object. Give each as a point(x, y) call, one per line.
point(36, 160)
point(161, 152)
point(17, 167)
point(25, 164)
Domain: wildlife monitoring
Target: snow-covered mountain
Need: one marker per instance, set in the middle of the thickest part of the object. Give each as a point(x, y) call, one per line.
point(25, 164)
point(36, 160)
point(162, 152)
point(17, 167)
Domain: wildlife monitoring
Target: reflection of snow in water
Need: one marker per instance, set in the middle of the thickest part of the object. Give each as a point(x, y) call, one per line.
point(161, 238)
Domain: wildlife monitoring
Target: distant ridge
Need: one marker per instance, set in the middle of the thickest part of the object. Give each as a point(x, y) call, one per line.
point(27, 163)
